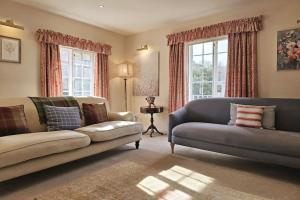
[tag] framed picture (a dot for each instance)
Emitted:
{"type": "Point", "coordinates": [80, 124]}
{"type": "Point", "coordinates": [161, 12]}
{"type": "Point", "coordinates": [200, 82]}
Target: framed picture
{"type": "Point", "coordinates": [288, 49]}
{"type": "Point", "coordinates": [10, 49]}
{"type": "Point", "coordinates": [146, 74]}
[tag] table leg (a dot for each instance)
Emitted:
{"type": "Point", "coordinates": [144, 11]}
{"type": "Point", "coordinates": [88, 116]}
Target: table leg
{"type": "Point", "coordinates": [152, 127]}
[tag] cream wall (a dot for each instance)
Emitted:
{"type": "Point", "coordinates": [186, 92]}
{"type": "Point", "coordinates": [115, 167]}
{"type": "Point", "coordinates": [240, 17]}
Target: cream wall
{"type": "Point", "coordinates": [23, 79]}
{"type": "Point", "coordinates": [278, 15]}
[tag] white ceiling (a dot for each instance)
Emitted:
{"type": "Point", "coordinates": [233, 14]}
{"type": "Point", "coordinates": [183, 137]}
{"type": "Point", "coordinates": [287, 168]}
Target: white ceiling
{"type": "Point", "coordinates": [132, 16]}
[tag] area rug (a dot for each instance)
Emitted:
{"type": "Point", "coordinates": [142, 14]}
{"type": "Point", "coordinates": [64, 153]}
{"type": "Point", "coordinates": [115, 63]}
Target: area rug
{"type": "Point", "coordinates": [128, 180]}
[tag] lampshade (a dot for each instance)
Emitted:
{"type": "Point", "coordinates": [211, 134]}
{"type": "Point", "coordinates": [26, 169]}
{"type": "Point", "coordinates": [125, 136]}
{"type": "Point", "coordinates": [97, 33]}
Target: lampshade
{"type": "Point", "coordinates": [124, 70]}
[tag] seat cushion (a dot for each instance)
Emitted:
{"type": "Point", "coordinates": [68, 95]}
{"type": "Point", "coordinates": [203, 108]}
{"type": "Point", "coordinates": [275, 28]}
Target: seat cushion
{"type": "Point", "coordinates": [18, 148]}
{"type": "Point", "coordinates": [111, 130]}
{"type": "Point", "coordinates": [272, 141]}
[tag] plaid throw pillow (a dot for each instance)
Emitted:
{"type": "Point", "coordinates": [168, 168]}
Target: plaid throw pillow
{"type": "Point", "coordinates": [12, 120]}
{"type": "Point", "coordinates": [62, 118]}
{"type": "Point", "coordinates": [249, 116]}
{"type": "Point", "coordinates": [94, 113]}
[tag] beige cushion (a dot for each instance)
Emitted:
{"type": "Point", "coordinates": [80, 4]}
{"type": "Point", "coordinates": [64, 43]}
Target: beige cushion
{"type": "Point", "coordinates": [110, 130]}
{"type": "Point", "coordinates": [18, 148]}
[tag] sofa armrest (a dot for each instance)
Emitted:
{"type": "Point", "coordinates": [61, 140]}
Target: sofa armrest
{"type": "Point", "coordinates": [175, 118]}
{"type": "Point", "coordinates": [121, 116]}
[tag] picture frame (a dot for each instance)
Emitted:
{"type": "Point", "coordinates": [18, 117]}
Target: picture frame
{"type": "Point", "coordinates": [146, 74]}
{"type": "Point", "coordinates": [288, 49]}
{"type": "Point", "coordinates": [10, 49]}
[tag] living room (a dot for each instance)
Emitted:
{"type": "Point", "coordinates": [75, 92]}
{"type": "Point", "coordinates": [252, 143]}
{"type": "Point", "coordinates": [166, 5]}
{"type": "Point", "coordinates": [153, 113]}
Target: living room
{"type": "Point", "coordinates": [133, 51]}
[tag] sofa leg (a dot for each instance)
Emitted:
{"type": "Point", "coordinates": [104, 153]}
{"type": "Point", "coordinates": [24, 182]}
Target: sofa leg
{"type": "Point", "coordinates": [137, 144]}
{"type": "Point", "coordinates": [172, 147]}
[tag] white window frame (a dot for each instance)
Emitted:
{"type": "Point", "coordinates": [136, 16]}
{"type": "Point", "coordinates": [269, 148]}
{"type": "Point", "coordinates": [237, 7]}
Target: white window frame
{"type": "Point", "coordinates": [187, 57]}
{"type": "Point", "coordinates": [71, 65]}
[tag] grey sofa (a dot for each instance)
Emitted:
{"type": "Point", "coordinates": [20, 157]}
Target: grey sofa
{"type": "Point", "coordinates": [203, 124]}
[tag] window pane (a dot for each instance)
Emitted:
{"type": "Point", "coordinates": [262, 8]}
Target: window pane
{"type": "Point", "coordinates": [77, 71]}
{"type": "Point", "coordinates": [208, 48]}
{"type": "Point", "coordinates": [87, 94]}
{"type": "Point", "coordinates": [77, 94]}
{"type": "Point", "coordinates": [77, 83]}
{"type": "Point", "coordinates": [65, 84]}
{"type": "Point", "coordinates": [197, 74]}
{"type": "Point", "coordinates": [197, 60]}
{"type": "Point", "coordinates": [208, 74]}
{"type": "Point", "coordinates": [207, 89]}
{"type": "Point", "coordinates": [65, 70]}
{"type": "Point", "coordinates": [86, 57]}
{"type": "Point", "coordinates": [222, 45]}
{"type": "Point", "coordinates": [77, 58]}
{"type": "Point", "coordinates": [87, 72]}
{"type": "Point", "coordinates": [222, 60]}
{"type": "Point", "coordinates": [208, 61]}
{"type": "Point", "coordinates": [64, 55]}
{"type": "Point", "coordinates": [197, 49]}
{"type": "Point", "coordinates": [86, 85]}
{"type": "Point", "coordinates": [196, 89]}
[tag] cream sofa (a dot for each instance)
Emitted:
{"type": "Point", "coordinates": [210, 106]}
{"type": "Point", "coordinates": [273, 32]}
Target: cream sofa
{"type": "Point", "coordinates": [27, 153]}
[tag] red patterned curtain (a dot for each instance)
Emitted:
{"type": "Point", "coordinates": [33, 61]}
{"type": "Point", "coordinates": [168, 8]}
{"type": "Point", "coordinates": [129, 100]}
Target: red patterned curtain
{"type": "Point", "coordinates": [242, 68]}
{"type": "Point", "coordinates": [51, 75]}
{"type": "Point", "coordinates": [242, 65]}
{"type": "Point", "coordinates": [101, 76]}
{"type": "Point", "coordinates": [176, 72]}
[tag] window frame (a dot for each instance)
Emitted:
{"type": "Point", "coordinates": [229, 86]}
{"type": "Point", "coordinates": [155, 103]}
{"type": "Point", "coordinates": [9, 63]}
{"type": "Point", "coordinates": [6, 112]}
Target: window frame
{"type": "Point", "coordinates": [188, 56]}
{"type": "Point", "coordinates": [71, 66]}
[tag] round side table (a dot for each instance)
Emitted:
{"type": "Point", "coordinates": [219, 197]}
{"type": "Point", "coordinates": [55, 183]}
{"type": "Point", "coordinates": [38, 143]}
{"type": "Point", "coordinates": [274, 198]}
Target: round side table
{"type": "Point", "coordinates": [151, 111]}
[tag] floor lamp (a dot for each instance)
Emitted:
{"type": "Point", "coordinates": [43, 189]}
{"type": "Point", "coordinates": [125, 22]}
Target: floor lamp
{"type": "Point", "coordinates": [124, 74]}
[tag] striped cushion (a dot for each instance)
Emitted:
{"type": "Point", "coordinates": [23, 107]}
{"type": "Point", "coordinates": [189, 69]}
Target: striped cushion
{"type": "Point", "coordinates": [12, 120]}
{"type": "Point", "coordinates": [94, 113]}
{"type": "Point", "coordinates": [62, 118]}
{"type": "Point", "coordinates": [249, 116]}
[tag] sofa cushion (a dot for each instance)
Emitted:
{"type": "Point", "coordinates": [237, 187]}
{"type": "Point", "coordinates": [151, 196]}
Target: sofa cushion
{"type": "Point", "coordinates": [111, 130]}
{"type": "Point", "coordinates": [18, 148]}
{"type": "Point", "coordinates": [94, 113]}
{"type": "Point", "coordinates": [272, 141]}
{"type": "Point", "coordinates": [62, 118]}
{"type": "Point", "coordinates": [12, 120]}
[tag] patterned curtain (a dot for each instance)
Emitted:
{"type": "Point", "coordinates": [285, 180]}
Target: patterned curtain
{"type": "Point", "coordinates": [242, 65]}
{"type": "Point", "coordinates": [177, 96]}
{"type": "Point", "coordinates": [51, 74]}
{"type": "Point", "coordinates": [101, 76]}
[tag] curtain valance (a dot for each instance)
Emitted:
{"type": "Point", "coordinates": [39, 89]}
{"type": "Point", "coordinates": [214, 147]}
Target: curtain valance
{"type": "Point", "coordinates": [253, 24]}
{"type": "Point", "coordinates": [51, 37]}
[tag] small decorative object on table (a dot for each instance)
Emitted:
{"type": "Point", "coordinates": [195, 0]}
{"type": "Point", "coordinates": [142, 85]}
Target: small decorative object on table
{"type": "Point", "coordinates": [150, 101]}
{"type": "Point", "coordinates": [151, 110]}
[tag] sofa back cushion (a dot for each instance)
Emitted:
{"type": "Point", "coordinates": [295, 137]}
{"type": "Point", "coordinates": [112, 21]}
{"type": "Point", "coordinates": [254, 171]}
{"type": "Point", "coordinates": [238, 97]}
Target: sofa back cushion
{"type": "Point", "coordinates": [217, 110]}
{"type": "Point", "coordinates": [31, 112]}
{"type": "Point", "coordinates": [94, 113]}
{"type": "Point", "coordinates": [12, 120]}
{"type": "Point", "coordinates": [62, 118]}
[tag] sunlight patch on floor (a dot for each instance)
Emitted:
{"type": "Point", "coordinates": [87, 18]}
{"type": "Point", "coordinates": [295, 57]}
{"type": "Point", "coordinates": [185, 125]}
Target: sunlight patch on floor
{"type": "Point", "coordinates": [187, 178]}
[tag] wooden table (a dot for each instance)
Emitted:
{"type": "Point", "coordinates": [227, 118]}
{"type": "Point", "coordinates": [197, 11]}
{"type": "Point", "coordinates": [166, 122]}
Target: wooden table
{"type": "Point", "coordinates": [151, 111]}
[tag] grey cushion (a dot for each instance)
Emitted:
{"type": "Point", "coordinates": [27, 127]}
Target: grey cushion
{"type": "Point", "coordinates": [280, 142]}
{"type": "Point", "coordinates": [268, 120]}
{"type": "Point", "coordinates": [62, 118]}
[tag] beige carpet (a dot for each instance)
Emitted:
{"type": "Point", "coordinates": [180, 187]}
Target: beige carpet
{"type": "Point", "coordinates": [152, 173]}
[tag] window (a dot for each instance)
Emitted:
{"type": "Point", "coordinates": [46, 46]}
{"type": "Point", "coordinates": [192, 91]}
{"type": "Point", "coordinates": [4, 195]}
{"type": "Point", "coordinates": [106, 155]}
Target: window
{"type": "Point", "coordinates": [77, 72]}
{"type": "Point", "coordinates": [207, 68]}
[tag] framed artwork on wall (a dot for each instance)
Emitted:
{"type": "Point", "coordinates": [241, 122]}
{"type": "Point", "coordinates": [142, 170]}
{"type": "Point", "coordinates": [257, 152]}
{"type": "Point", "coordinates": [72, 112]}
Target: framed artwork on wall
{"type": "Point", "coordinates": [10, 49]}
{"type": "Point", "coordinates": [146, 74]}
{"type": "Point", "coordinates": [288, 49]}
